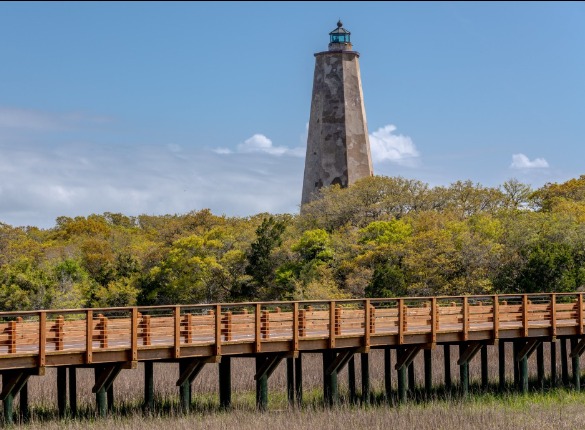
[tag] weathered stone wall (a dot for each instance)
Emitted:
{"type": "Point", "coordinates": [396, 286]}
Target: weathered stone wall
{"type": "Point", "coordinates": [338, 148]}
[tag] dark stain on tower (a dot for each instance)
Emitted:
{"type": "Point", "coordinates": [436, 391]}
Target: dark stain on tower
{"type": "Point", "coordinates": [338, 147]}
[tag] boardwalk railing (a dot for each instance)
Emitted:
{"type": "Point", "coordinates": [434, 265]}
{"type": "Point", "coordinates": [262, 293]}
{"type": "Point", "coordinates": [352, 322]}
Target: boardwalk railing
{"type": "Point", "coordinates": [86, 336]}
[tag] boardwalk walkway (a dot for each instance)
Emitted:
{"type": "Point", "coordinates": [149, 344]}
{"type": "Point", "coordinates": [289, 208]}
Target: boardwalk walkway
{"type": "Point", "coordinates": [110, 339]}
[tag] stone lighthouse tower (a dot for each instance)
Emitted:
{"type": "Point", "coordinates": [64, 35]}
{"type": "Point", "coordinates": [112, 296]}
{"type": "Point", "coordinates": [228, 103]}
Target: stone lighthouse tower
{"type": "Point", "coordinates": [338, 147]}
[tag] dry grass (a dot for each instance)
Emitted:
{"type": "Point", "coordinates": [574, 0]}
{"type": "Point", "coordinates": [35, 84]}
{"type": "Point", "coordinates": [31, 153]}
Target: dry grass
{"type": "Point", "coordinates": [557, 409]}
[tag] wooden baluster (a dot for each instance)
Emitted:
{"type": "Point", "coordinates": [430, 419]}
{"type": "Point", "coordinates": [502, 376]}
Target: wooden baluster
{"type": "Point", "coordinates": [134, 335]}
{"type": "Point", "coordinates": [332, 324]}
{"type": "Point", "coordinates": [580, 312]}
{"type": "Point", "coordinates": [372, 319]}
{"type": "Point", "coordinates": [147, 339]}
{"type": "Point", "coordinates": [400, 321]}
{"type": "Point", "coordinates": [217, 329]}
{"type": "Point", "coordinates": [103, 336]}
{"type": "Point", "coordinates": [12, 337]}
{"type": "Point", "coordinates": [59, 328]}
{"type": "Point", "coordinates": [258, 328]}
{"type": "Point", "coordinates": [265, 324]}
{"type": "Point", "coordinates": [227, 326]}
{"type": "Point", "coordinates": [434, 320]}
{"type": "Point", "coordinates": [189, 328]}
{"type": "Point", "coordinates": [525, 315]}
{"type": "Point", "coordinates": [302, 322]}
{"type": "Point", "coordinates": [177, 332]}
{"type": "Point", "coordinates": [338, 321]}
{"type": "Point", "coordinates": [367, 323]}
{"type": "Point", "coordinates": [295, 326]}
{"type": "Point", "coordinates": [89, 336]}
{"type": "Point", "coordinates": [496, 316]}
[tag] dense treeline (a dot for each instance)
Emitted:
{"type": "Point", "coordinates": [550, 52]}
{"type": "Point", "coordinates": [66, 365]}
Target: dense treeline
{"type": "Point", "coordinates": [384, 236]}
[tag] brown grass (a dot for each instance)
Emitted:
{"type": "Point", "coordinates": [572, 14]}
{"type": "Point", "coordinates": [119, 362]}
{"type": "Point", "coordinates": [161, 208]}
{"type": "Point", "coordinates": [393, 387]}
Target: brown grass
{"type": "Point", "coordinates": [442, 412]}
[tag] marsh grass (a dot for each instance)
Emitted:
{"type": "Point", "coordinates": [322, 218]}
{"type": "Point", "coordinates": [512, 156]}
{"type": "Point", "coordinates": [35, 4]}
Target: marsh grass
{"type": "Point", "coordinates": [443, 409]}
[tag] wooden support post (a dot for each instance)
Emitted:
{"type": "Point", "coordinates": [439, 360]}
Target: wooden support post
{"type": "Point", "coordinates": [299, 379]}
{"type": "Point", "coordinates": [402, 389]}
{"type": "Point", "coordinates": [365, 364]}
{"type": "Point", "coordinates": [225, 382]}
{"type": "Point", "coordinates": [484, 367]}
{"type": "Point", "coordinates": [576, 365]}
{"type": "Point", "coordinates": [564, 362]}
{"type": "Point", "coordinates": [516, 364]}
{"type": "Point", "coordinates": [8, 404]}
{"type": "Point", "coordinates": [411, 378]}
{"type": "Point", "coordinates": [148, 386]}
{"type": "Point", "coordinates": [62, 390]}
{"type": "Point", "coordinates": [553, 363]}
{"type": "Point", "coordinates": [184, 388]}
{"type": "Point", "coordinates": [502, 365]}
{"type": "Point", "coordinates": [351, 380]}
{"type": "Point", "coordinates": [24, 411]}
{"type": "Point", "coordinates": [523, 370]}
{"type": "Point", "coordinates": [540, 365]}
{"type": "Point", "coordinates": [330, 392]}
{"type": "Point", "coordinates": [100, 395]}
{"type": "Point", "coordinates": [261, 384]}
{"type": "Point", "coordinates": [428, 372]}
{"type": "Point", "coordinates": [447, 366]}
{"type": "Point", "coordinates": [73, 391]}
{"type": "Point", "coordinates": [290, 381]}
{"type": "Point", "coordinates": [387, 374]}
{"type": "Point", "coordinates": [110, 396]}
{"type": "Point", "coordinates": [463, 371]}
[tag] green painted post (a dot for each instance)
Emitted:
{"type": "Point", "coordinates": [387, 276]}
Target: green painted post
{"type": "Point", "coordinates": [388, 374]}
{"type": "Point", "coordinates": [464, 373]}
{"type": "Point", "coordinates": [299, 379]}
{"type": "Point", "coordinates": [502, 365]}
{"type": "Point", "coordinates": [148, 386]}
{"type": "Point", "coordinates": [351, 380]}
{"type": "Point", "coordinates": [290, 381]}
{"type": "Point", "coordinates": [523, 364]}
{"type": "Point", "coordinates": [365, 363]}
{"type": "Point", "coordinates": [540, 365]}
{"type": "Point", "coordinates": [447, 366]}
{"type": "Point", "coordinates": [61, 390]}
{"type": "Point", "coordinates": [73, 391]}
{"type": "Point", "coordinates": [411, 378]}
{"type": "Point", "coordinates": [261, 386]}
{"type": "Point", "coordinates": [402, 388]}
{"type": "Point", "coordinates": [564, 362]}
{"type": "Point", "coordinates": [330, 392]}
{"type": "Point", "coordinates": [484, 367]}
{"type": "Point", "coordinates": [428, 372]}
{"type": "Point", "coordinates": [8, 409]}
{"type": "Point", "coordinates": [110, 396]}
{"type": "Point", "coordinates": [225, 382]}
{"type": "Point", "coordinates": [553, 363]}
{"type": "Point", "coordinates": [24, 404]}
{"type": "Point", "coordinates": [576, 366]}
{"type": "Point", "coordinates": [101, 397]}
{"type": "Point", "coordinates": [184, 389]}
{"type": "Point", "coordinates": [516, 365]}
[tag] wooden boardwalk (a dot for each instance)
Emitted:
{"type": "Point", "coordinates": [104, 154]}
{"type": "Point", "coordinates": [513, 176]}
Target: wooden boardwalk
{"type": "Point", "coordinates": [111, 339]}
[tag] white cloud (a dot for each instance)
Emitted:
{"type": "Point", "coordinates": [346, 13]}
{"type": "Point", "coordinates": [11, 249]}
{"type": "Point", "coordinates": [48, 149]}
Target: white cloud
{"type": "Point", "coordinates": [398, 149]}
{"type": "Point", "coordinates": [259, 143]}
{"type": "Point", "coordinates": [521, 161]}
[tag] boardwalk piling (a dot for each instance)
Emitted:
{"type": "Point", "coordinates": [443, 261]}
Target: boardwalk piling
{"type": "Point", "coordinates": [148, 386]}
{"type": "Point", "coordinates": [365, 363]}
{"type": "Point", "coordinates": [447, 365]}
{"type": "Point", "coordinates": [351, 380]}
{"type": "Point", "coordinates": [73, 391]}
{"type": "Point", "coordinates": [387, 374]}
{"type": "Point", "coordinates": [24, 405]}
{"type": "Point", "coordinates": [330, 392]}
{"type": "Point", "coordinates": [463, 372]}
{"type": "Point", "coordinates": [225, 382]}
{"type": "Point", "coordinates": [299, 379]}
{"type": "Point", "coordinates": [61, 390]}
{"type": "Point", "coordinates": [428, 372]}
{"type": "Point", "coordinates": [523, 373]}
{"type": "Point", "coordinates": [100, 395]}
{"type": "Point", "coordinates": [290, 381]}
{"type": "Point", "coordinates": [110, 396]}
{"type": "Point", "coordinates": [484, 367]}
{"type": "Point", "coordinates": [8, 405]}
{"type": "Point", "coordinates": [411, 378]}
{"type": "Point", "coordinates": [575, 364]}
{"type": "Point", "coordinates": [401, 376]}
{"type": "Point", "coordinates": [564, 362]}
{"type": "Point", "coordinates": [502, 365]}
{"type": "Point", "coordinates": [516, 364]}
{"type": "Point", "coordinates": [261, 384]}
{"type": "Point", "coordinates": [540, 365]}
{"type": "Point", "coordinates": [553, 363]}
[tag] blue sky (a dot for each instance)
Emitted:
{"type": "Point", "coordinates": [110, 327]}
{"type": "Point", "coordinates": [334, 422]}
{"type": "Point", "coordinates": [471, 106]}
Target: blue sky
{"type": "Point", "coordinates": [163, 108]}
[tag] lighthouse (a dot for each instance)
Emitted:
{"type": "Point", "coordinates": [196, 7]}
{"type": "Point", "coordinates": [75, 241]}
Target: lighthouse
{"type": "Point", "coordinates": [338, 147]}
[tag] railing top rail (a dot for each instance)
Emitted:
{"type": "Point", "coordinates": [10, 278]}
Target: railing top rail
{"type": "Point", "coordinates": [274, 303]}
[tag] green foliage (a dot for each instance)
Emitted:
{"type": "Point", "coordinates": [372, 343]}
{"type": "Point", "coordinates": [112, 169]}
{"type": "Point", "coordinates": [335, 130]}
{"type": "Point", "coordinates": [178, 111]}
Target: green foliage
{"type": "Point", "coordinates": [381, 237]}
